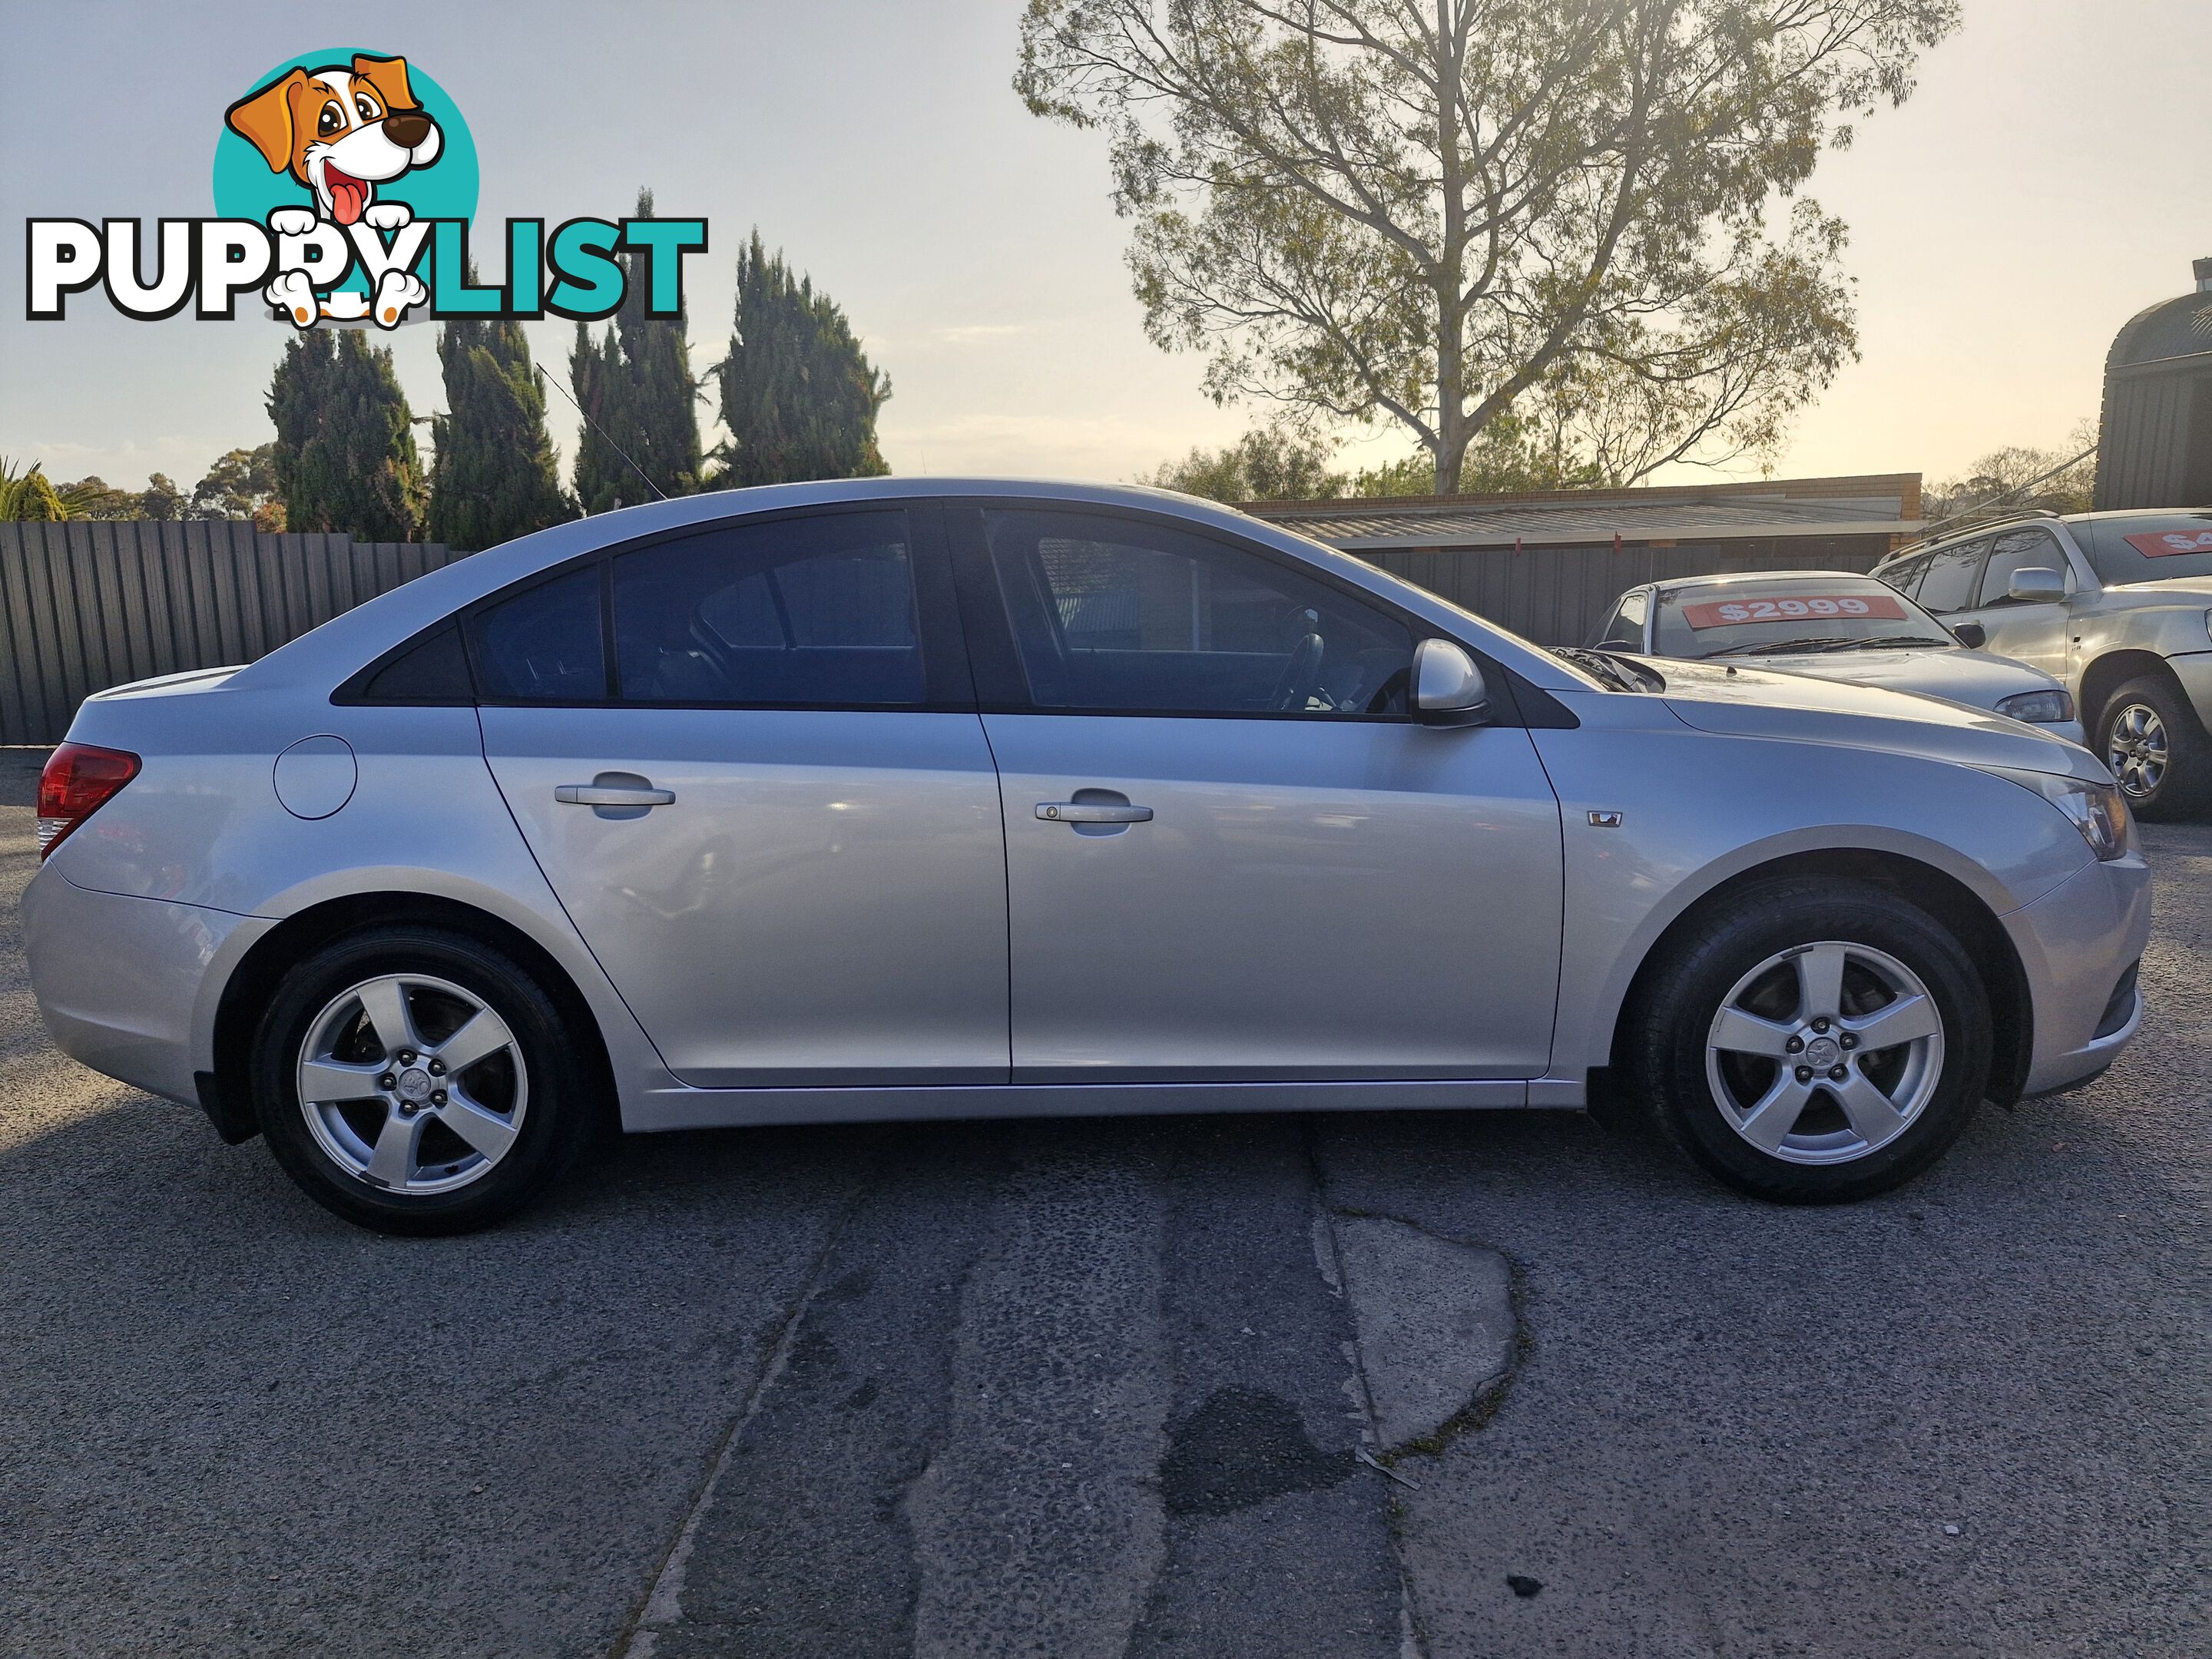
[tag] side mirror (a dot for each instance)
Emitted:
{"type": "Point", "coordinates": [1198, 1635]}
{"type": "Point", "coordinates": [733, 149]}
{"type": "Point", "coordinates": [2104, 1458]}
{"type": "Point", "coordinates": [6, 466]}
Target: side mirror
{"type": "Point", "coordinates": [2036, 586]}
{"type": "Point", "coordinates": [1972, 635]}
{"type": "Point", "coordinates": [1448, 688]}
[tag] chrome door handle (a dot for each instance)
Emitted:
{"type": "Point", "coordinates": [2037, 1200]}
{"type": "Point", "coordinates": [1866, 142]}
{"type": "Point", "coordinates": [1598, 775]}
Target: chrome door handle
{"type": "Point", "coordinates": [1083, 811]}
{"type": "Point", "coordinates": [600, 794]}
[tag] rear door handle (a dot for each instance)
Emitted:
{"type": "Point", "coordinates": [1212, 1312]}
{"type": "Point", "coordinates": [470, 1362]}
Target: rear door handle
{"type": "Point", "coordinates": [600, 794]}
{"type": "Point", "coordinates": [1083, 811]}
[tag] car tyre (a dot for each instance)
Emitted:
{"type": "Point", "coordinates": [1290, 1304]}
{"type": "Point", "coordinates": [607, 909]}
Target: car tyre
{"type": "Point", "coordinates": [1732, 1094]}
{"type": "Point", "coordinates": [347, 1080]}
{"type": "Point", "coordinates": [2157, 748]}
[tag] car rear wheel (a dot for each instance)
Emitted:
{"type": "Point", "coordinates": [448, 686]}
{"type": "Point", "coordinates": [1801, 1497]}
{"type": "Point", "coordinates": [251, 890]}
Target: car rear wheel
{"type": "Point", "coordinates": [418, 1081]}
{"type": "Point", "coordinates": [1813, 1042]}
{"type": "Point", "coordinates": [2157, 748]}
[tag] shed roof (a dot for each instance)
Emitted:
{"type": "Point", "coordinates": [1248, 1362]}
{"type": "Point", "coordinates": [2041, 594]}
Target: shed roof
{"type": "Point", "coordinates": [1766, 509]}
{"type": "Point", "coordinates": [2176, 328]}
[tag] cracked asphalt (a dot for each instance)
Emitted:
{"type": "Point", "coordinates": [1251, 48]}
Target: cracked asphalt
{"type": "Point", "coordinates": [1093, 1388]}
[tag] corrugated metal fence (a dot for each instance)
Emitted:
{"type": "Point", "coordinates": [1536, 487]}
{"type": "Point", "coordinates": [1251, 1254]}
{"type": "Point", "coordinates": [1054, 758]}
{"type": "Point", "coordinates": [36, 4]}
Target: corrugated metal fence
{"type": "Point", "coordinates": [1556, 595]}
{"type": "Point", "coordinates": [87, 605]}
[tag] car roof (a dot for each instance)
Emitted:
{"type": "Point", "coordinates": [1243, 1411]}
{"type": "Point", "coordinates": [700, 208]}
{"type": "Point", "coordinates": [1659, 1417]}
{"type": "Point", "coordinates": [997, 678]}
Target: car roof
{"type": "Point", "coordinates": [2015, 520]}
{"type": "Point", "coordinates": [1673, 585]}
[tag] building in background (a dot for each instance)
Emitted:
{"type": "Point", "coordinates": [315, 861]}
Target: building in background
{"type": "Point", "coordinates": [2155, 444]}
{"type": "Point", "coordinates": [1548, 565]}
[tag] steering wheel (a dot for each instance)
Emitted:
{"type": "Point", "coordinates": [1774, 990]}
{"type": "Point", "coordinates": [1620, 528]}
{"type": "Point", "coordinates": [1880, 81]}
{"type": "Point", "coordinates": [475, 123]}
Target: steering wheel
{"type": "Point", "coordinates": [1301, 675]}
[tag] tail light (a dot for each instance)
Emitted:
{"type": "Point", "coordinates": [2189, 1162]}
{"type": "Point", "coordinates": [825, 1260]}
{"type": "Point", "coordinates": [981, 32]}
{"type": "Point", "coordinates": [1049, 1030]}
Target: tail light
{"type": "Point", "coordinates": [79, 780]}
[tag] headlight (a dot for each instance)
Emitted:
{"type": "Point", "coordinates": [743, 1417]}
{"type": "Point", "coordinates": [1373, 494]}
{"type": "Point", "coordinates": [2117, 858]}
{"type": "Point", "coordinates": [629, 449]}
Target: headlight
{"type": "Point", "coordinates": [2099, 811]}
{"type": "Point", "coordinates": [2043, 708]}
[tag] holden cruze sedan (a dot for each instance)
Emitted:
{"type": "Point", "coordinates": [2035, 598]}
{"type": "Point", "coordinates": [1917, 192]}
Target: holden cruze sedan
{"type": "Point", "coordinates": [1834, 626]}
{"type": "Point", "coordinates": [901, 799]}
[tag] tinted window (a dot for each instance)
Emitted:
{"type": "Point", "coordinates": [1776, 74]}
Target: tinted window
{"type": "Point", "coordinates": [1111, 613]}
{"type": "Point", "coordinates": [2018, 550]}
{"type": "Point", "coordinates": [1950, 583]}
{"type": "Point", "coordinates": [434, 670]}
{"type": "Point", "coordinates": [1905, 575]}
{"type": "Point", "coordinates": [798, 612]}
{"type": "Point", "coordinates": [543, 645]}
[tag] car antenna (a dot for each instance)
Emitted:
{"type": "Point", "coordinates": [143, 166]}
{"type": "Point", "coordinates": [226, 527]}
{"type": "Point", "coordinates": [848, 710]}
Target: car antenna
{"type": "Point", "coordinates": [602, 431]}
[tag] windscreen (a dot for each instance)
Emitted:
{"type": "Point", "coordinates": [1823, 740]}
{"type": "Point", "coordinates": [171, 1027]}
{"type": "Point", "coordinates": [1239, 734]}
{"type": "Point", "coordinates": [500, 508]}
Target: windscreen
{"type": "Point", "coordinates": [1778, 615]}
{"type": "Point", "coordinates": [2152, 548]}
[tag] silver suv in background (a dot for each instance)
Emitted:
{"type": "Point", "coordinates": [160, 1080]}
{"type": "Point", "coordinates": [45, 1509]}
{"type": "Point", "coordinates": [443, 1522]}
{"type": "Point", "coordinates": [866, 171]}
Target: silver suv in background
{"type": "Point", "coordinates": [2118, 607]}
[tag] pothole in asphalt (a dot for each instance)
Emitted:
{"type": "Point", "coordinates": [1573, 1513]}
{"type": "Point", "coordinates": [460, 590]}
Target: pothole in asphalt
{"type": "Point", "coordinates": [1242, 1446]}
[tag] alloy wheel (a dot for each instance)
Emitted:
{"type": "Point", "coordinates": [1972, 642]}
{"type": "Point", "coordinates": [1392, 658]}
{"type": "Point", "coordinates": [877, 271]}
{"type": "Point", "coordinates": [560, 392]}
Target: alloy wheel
{"type": "Point", "coordinates": [411, 1083]}
{"type": "Point", "coordinates": [1825, 1053]}
{"type": "Point", "coordinates": [2136, 749]}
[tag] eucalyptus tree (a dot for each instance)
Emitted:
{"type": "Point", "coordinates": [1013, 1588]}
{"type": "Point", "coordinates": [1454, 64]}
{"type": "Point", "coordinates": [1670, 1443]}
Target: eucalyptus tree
{"type": "Point", "coordinates": [1432, 211]}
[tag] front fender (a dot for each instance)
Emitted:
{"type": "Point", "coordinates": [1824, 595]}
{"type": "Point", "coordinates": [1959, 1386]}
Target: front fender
{"type": "Point", "coordinates": [2164, 627]}
{"type": "Point", "coordinates": [1698, 810]}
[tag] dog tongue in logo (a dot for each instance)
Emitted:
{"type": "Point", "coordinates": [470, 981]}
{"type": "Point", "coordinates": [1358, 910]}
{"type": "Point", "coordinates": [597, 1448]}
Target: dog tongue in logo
{"type": "Point", "coordinates": [347, 194]}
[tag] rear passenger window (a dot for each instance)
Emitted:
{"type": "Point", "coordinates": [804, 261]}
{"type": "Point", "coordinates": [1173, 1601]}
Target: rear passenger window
{"type": "Point", "coordinates": [543, 645]}
{"type": "Point", "coordinates": [1950, 583]}
{"type": "Point", "coordinates": [1905, 575]}
{"type": "Point", "coordinates": [796, 612]}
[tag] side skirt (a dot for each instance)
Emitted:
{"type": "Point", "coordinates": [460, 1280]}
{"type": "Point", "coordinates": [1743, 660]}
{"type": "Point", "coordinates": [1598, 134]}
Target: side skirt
{"type": "Point", "coordinates": [678, 1107]}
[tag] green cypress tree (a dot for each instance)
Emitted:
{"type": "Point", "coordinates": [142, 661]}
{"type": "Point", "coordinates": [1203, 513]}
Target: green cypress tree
{"type": "Point", "coordinates": [664, 405]}
{"type": "Point", "coordinates": [798, 395]}
{"type": "Point", "coordinates": [345, 456]}
{"type": "Point", "coordinates": [492, 478]}
{"type": "Point", "coordinates": [603, 480]}
{"type": "Point", "coordinates": [636, 384]}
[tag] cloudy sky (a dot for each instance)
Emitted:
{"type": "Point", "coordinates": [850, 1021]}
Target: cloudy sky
{"type": "Point", "coordinates": [2052, 175]}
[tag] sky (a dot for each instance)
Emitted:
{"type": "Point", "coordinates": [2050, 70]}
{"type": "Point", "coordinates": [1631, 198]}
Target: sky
{"type": "Point", "coordinates": [2051, 176]}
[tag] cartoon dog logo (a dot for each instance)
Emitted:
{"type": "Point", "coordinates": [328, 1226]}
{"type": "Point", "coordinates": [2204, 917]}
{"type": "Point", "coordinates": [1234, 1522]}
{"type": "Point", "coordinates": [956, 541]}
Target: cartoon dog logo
{"type": "Point", "coordinates": [341, 130]}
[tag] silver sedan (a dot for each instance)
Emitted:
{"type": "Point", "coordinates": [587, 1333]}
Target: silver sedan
{"type": "Point", "coordinates": [1836, 626]}
{"type": "Point", "coordinates": [939, 799]}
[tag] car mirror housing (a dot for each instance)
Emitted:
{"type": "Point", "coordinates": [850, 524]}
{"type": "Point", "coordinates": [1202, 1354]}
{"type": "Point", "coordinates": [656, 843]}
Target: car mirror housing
{"type": "Point", "coordinates": [2036, 586]}
{"type": "Point", "coordinates": [1972, 635]}
{"type": "Point", "coordinates": [1448, 688]}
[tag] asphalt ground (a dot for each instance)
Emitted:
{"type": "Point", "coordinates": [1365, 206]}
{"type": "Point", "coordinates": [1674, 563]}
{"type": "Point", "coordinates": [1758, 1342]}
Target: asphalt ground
{"type": "Point", "coordinates": [1079, 1388]}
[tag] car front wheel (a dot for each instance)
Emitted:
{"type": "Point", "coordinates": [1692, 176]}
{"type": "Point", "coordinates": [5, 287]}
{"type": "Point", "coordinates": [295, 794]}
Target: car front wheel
{"type": "Point", "coordinates": [2158, 750]}
{"type": "Point", "coordinates": [415, 1080]}
{"type": "Point", "coordinates": [1814, 1041]}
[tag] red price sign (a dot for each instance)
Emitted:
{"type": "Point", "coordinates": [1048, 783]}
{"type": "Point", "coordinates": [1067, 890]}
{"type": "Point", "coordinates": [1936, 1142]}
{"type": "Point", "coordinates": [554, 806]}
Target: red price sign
{"type": "Point", "coordinates": [2165, 543]}
{"type": "Point", "coordinates": [1794, 607]}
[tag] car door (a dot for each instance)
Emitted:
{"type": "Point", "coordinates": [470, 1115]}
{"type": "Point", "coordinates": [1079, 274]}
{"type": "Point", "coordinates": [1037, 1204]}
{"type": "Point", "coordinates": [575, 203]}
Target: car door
{"type": "Point", "coordinates": [2033, 632]}
{"type": "Point", "coordinates": [1231, 852]}
{"type": "Point", "coordinates": [747, 757]}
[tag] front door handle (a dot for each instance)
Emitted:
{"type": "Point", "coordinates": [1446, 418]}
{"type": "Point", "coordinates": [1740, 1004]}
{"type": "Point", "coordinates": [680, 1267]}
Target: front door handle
{"type": "Point", "coordinates": [1085, 811]}
{"type": "Point", "coordinates": [600, 794]}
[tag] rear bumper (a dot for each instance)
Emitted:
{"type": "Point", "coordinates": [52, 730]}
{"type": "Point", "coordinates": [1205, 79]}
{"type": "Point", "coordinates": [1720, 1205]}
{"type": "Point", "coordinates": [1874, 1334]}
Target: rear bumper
{"type": "Point", "coordinates": [2076, 944]}
{"type": "Point", "coordinates": [129, 986]}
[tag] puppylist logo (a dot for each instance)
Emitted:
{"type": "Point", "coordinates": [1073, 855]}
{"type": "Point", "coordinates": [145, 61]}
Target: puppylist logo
{"type": "Point", "coordinates": [345, 186]}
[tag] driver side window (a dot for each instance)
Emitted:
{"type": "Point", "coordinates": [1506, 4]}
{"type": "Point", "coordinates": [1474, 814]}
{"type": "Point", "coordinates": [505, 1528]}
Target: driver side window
{"type": "Point", "coordinates": [1134, 617]}
{"type": "Point", "coordinates": [806, 612]}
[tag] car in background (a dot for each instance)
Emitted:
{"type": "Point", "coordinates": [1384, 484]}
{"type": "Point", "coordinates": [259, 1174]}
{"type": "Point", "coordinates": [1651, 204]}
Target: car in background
{"type": "Point", "coordinates": [2117, 606]}
{"type": "Point", "coordinates": [894, 798]}
{"type": "Point", "coordinates": [1831, 625]}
